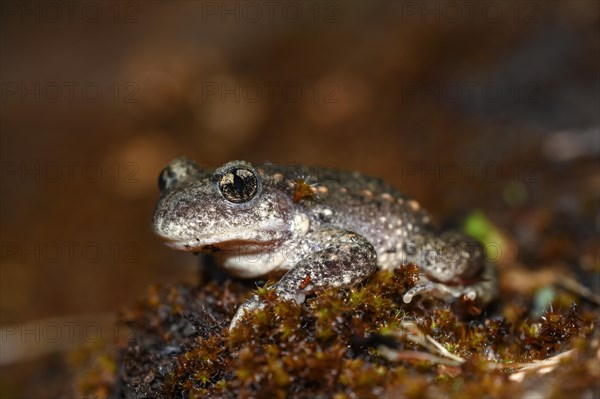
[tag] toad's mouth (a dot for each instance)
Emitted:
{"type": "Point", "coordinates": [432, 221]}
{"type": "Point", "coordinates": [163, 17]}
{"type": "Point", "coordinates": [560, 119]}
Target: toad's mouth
{"type": "Point", "coordinates": [240, 246]}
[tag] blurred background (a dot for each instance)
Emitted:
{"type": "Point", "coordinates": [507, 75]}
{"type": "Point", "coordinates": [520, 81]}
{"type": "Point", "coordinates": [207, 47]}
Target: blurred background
{"type": "Point", "coordinates": [469, 107]}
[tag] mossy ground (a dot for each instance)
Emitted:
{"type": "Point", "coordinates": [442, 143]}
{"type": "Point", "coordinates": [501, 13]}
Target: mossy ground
{"type": "Point", "coordinates": [332, 346]}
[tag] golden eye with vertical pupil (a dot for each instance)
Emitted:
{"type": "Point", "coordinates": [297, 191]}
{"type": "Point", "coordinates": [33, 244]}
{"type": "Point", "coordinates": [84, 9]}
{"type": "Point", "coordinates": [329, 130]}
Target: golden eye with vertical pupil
{"type": "Point", "coordinates": [238, 185]}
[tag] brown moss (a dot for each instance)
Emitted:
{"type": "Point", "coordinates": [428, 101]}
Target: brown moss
{"type": "Point", "coordinates": [181, 346]}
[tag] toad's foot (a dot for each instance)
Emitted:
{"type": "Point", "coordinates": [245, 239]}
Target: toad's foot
{"type": "Point", "coordinates": [480, 292]}
{"type": "Point", "coordinates": [252, 304]}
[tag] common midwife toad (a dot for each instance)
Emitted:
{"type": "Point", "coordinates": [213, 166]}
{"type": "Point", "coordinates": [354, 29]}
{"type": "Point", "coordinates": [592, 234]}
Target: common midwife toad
{"type": "Point", "coordinates": [332, 234]}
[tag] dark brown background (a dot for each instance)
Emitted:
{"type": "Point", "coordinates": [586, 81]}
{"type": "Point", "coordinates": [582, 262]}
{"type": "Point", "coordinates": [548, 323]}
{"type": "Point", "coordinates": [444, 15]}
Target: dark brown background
{"type": "Point", "coordinates": [403, 90]}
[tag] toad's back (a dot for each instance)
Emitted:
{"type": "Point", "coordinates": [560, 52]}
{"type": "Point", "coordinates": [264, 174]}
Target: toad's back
{"type": "Point", "coordinates": [351, 201]}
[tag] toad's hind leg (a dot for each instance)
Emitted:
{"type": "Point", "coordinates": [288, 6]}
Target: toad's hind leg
{"type": "Point", "coordinates": [454, 267]}
{"type": "Point", "coordinates": [480, 292]}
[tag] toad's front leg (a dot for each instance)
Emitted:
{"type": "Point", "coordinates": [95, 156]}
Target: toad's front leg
{"type": "Point", "coordinates": [338, 258]}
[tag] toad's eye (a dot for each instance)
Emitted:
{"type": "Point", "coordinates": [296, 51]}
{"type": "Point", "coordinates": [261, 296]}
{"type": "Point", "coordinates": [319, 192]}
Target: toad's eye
{"type": "Point", "coordinates": [166, 178]}
{"type": "Point", "coordinates": [177, 171]}
{"type": "Point", "coordinates": [238, 185]}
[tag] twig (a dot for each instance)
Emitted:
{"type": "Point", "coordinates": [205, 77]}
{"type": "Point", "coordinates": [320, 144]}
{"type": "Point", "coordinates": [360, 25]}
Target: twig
{"type": "Point", "coordinates": [412, 333]}
{"type": "Point", "coordinates": [579, 289]}
{"type": "Point", "coordinates": [540, 366]}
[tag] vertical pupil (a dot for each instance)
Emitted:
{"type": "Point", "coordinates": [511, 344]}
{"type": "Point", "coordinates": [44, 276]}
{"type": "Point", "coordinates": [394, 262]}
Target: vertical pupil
{"type": "Point", "coordinates": [238, 183]}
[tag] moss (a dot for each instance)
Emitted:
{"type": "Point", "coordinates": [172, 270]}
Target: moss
{"type": "Point", "coordinates": [330, 346]}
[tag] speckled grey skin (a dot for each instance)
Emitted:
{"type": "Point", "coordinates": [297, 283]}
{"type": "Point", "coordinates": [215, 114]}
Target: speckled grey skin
{"type": "Point", "coordinates": [349, 227]}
